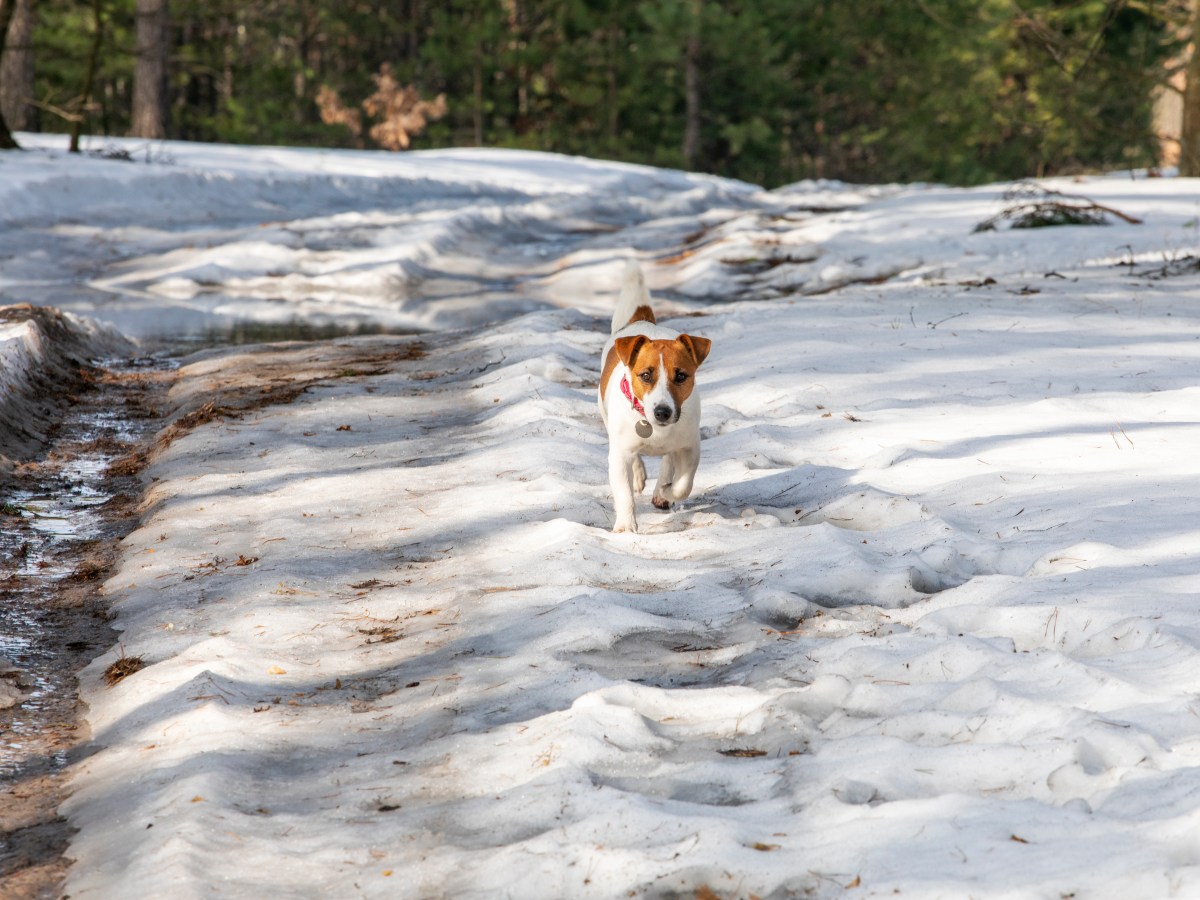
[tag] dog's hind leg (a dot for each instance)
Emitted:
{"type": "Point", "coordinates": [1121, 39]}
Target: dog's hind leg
{"type": "Point", "coordinates": [639, 475]}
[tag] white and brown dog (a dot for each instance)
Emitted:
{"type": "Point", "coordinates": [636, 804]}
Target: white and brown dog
{"type": "Point", "coordinates": [648, 402]}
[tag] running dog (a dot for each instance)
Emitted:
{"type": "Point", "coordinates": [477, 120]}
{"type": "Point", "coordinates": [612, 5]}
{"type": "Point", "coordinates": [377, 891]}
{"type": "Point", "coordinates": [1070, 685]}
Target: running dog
{"type": "Point", "coordinates": [649, 403]}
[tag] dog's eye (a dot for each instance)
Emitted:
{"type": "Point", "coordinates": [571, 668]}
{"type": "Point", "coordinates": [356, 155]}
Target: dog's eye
{"type": "Point", "coordinates": [647, 376]}
{"type": "Point", "coordinates": [680, 376]}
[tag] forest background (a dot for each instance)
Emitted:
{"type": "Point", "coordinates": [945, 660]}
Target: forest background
{"type": "Point", "coordinates": [768, 91]}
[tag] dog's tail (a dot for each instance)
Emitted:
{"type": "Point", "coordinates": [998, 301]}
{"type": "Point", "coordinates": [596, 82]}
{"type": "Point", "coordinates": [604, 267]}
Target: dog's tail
{"type": "Point", "coordinates": [634, 299]}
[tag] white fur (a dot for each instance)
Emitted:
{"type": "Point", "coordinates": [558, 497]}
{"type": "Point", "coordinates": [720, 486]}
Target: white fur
{"type": "Point", "coordinates": [677, 443]}
{"type": "Point", "coordinates": [633, 294]}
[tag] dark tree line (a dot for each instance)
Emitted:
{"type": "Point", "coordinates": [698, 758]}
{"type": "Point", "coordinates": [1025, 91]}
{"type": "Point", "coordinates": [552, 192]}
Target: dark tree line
{"type": "Point", "coordinates": [765, 90]}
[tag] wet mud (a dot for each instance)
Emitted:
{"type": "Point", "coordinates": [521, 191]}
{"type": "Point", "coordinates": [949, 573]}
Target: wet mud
{"type": "Point", "coordinates": [61, 516]}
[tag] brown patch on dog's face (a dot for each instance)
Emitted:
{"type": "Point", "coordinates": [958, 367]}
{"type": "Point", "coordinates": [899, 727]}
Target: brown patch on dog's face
{"type": "Point", "coordinates": [627, 348]}
{"type": "Point", "coordinates": [697, 346]}
{"type": "Point", "coordinates": [620, 352]}
{"type": "Point", "coordinates": [664, 372]}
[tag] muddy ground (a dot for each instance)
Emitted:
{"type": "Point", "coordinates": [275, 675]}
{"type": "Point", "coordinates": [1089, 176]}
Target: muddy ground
{"type": "Point", "coordinates": [62, 517]}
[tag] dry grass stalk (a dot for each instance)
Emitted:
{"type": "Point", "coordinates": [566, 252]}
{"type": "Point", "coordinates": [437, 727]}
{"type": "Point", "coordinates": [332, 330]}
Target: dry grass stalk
{"type": "Point", "coordinates": [122, 668]}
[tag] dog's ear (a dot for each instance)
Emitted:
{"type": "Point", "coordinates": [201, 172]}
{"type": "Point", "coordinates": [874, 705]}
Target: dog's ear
{"type": "Point", "coordinates": [627, 348]}
{"type": "Point", "coordinates": [697, 346]}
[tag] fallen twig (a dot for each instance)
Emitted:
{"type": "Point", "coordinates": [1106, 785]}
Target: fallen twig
{"type": "Point", "coordinates": [1033, 206]}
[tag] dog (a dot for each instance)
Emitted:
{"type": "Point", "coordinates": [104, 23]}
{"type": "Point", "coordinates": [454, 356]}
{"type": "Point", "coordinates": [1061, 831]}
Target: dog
{"type": "Point", "coordinates": [649, 403]}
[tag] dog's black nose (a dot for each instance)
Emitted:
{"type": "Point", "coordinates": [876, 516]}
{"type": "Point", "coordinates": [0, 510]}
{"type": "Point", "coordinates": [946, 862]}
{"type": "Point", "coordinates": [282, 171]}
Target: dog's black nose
{"type": "Point", "coordinates": [662, 414]}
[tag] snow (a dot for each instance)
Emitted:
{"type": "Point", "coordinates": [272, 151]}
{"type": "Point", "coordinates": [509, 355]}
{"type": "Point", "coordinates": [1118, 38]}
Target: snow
{"type": "Point", "coordinates": [40, 352]}
{"type": "Point", "coordinates": [927, 626]}
{"type": "Point", "coordinates": [402, 242]}
{"type": "Point", "coordinates": [12, 690]}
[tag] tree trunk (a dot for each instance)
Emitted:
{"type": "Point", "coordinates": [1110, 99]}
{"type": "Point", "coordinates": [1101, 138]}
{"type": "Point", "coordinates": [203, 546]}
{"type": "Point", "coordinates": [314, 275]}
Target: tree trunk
{"type": "Point", "coordinates": [691, 88]}
{"type": "Point", "coordinates": [16, 68]}
{"type": "Point", "coordinates": [516, 43]}
{"type": "Point", "coordinates": [613, 85]}
{"type": "Point", "coordinates": [477, 106]}
{"type": "Point", "coordinates": [150, 75]}
{"type": "Point", "coordinates": [1189, 137]}
{"type": "Point", "coordinates": [89, 79]}
{"type": "Point", "coordinates": [7, 142]}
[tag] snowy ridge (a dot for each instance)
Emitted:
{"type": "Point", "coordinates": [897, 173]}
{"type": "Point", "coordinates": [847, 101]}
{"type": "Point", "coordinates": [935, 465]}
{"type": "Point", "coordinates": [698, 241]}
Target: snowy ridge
{"type": "Point", "coordinates": [460, 238]}
{"type": "Point", "coordinates": [41, 352]}
{"type": "Point", "coordinates": [407, 241]}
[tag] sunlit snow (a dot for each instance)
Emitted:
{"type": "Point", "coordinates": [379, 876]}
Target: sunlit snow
{"type": "Point", "coordinates": [928, 626]}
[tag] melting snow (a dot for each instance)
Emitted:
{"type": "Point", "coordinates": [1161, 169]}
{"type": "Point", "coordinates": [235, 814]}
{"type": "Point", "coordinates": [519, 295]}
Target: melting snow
{"type": "Point", "coordinates": [928, 625]}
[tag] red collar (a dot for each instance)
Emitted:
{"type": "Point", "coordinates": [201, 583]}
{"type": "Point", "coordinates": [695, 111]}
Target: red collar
{"type": "Point", "coordinates": [628, 392]}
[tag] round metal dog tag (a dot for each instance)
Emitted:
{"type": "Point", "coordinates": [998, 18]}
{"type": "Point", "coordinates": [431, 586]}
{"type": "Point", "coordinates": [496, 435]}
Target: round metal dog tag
{"type": "Point", "coordinates": [643, 429]}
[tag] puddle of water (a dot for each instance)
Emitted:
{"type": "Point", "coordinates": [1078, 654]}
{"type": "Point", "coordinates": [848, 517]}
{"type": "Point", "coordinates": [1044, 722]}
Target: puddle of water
{"type": "Point", "coordinates": [44, 530]}
{"type": "Point", "coordinates": [238, 332]}
{"type": "Point", "coordinates": [175, 327]}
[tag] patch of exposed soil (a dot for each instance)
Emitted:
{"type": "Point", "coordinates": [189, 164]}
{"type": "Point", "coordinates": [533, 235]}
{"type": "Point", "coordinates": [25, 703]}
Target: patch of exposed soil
{"type": "Point", "coordinates": [45, 364]}
{"type": "Point", "coordinates": [60, 520]}
{"type": "Point", "coordinates": [230, 383]}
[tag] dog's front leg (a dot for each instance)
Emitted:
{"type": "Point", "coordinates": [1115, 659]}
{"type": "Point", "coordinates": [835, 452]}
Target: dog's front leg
{"type": "Point", "coordinates": [662, 490]}
{"type": "Point", "coordinates": [682, 471]}
{"type": "Point", "coordinates": [620, 478]}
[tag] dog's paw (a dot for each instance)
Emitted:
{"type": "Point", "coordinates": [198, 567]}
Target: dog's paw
{"type": "Point", "coordinates": [661, 502]}
{"type": "Point", "coordinates": [621, 528]}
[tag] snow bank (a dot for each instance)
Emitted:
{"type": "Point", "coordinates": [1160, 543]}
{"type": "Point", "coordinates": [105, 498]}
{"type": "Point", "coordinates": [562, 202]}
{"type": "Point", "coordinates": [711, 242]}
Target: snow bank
{"type": "Point", "coordinates": [12, 689]}
{"type": "Point", "coordinates": [399, 241]}
{"type": "Point", "coordinates": [463, 238]}
{"type": "Point", "coordinates": [41, 352]}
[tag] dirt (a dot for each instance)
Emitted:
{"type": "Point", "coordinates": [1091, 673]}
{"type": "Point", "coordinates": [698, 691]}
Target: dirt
{"type": "Point", "coordinates": [62, 517]}
{"type": "Point", "coordinates": [35, 396]}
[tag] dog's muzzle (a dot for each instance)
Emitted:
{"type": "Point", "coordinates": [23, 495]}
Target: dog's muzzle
{"type": "Point", "coordinates": [664, 415]}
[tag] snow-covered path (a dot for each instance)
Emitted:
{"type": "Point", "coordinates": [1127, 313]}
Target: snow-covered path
{"type": "Point", "coordinates": [931, 650]}
{"type": "Point", "coordinates": [225, 235]}
{"type": "Point", "coordinates": [928, 626]}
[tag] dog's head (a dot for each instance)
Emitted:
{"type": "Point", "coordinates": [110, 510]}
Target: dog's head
{"type": "Point", "coordinates": [662, 373]}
